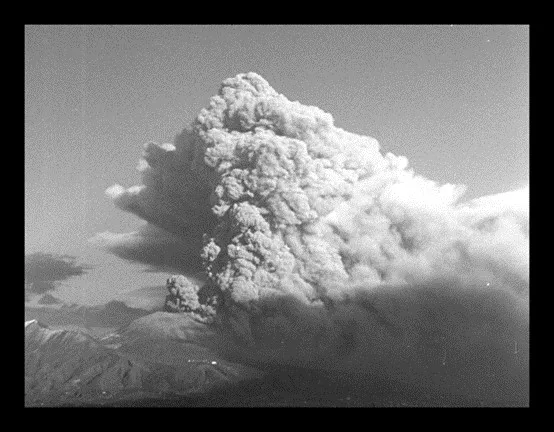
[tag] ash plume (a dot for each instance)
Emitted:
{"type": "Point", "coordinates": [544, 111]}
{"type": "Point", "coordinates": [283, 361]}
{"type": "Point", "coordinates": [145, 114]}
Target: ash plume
{"type": "Point", "coordinates": [317, 242]}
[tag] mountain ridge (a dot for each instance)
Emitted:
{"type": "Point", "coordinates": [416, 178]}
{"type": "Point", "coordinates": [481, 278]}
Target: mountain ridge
{"type": "Point", "coordinates": [73, 367]}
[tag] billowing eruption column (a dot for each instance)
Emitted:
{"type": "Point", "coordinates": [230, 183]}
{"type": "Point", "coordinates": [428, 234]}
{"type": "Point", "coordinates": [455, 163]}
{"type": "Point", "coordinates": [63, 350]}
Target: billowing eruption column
{"type": "Point", "coordinates": [302, 228]}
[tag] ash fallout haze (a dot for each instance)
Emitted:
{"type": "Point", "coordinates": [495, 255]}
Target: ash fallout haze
{"type": "Point", "coordinates": [288, 197]}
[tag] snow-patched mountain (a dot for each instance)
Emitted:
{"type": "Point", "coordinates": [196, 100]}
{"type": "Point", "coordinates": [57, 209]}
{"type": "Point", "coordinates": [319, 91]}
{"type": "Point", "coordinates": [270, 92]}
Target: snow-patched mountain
{"type": "Point", "coordinates": [64, 365]}
{"type": "Point", "coordinates": [156, 356]}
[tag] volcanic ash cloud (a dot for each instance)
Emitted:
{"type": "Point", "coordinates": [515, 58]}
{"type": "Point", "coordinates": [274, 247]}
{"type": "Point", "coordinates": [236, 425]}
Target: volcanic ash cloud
{"type": "Point", "coordinates": [303, 228]}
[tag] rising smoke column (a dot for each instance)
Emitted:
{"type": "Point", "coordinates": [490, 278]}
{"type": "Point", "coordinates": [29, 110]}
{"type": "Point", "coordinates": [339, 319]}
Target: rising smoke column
{"type": "Point", "coordinates": [298, 224]}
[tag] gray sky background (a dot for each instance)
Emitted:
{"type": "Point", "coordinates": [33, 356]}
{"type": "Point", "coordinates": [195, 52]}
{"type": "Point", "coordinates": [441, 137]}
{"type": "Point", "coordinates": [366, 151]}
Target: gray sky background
{"type": "Point", "coordinates": [453, 99]}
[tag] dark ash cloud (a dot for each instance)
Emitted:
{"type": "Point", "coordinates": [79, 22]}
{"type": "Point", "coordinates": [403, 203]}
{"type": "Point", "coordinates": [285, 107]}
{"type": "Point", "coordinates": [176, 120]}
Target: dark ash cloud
{"type": "Point", "coordinates": [156, 247]}
{"type": "Point", "coordinates": [43, 271]}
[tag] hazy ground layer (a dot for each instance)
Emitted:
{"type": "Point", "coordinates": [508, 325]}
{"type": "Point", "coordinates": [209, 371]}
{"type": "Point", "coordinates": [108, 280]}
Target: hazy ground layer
{"type": "Point", "coordinates": [162, 359]}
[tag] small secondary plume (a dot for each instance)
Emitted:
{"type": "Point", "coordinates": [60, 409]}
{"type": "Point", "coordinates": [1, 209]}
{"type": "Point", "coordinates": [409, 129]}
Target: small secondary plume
{"type": "Point", "coordinates": [315, 240]}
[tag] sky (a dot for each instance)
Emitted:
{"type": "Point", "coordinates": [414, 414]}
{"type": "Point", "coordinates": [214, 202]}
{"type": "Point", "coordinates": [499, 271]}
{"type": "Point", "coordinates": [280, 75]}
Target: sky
{"type": "Point", "coordinates": [453, 99]}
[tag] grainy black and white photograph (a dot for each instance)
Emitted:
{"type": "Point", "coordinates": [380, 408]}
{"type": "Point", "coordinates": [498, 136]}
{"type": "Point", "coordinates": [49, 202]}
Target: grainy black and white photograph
{"type": "Point", "coordinates": [276, 215]}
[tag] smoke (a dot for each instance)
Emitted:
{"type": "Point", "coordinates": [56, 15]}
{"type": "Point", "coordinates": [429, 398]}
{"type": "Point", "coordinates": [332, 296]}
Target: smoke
{"type": "Point", "coordinates": [325, 250]}
{"type": "Point", "coordinates": [154, 246]}
{"type": "Point", "coordinates": [44, 271]}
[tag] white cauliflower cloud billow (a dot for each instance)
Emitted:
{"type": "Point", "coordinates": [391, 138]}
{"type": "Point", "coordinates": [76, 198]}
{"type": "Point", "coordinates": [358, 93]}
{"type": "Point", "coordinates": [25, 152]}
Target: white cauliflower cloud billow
{"type": "Point", "coordinates": [297, 224]}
